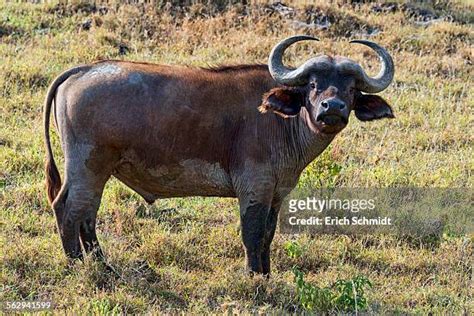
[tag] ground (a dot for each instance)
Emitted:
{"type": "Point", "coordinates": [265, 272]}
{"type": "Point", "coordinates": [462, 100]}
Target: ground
{"type": "Point", "coordinates": [185, 255]}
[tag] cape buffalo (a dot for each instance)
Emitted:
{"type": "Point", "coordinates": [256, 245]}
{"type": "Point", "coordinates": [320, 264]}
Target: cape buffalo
{"type": "Point", "coordinates": [176, 131]}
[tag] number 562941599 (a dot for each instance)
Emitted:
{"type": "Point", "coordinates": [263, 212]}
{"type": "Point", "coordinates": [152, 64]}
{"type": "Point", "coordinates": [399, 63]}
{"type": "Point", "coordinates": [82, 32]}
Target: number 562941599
{"type": "Point", "coordinates": [26, 305]}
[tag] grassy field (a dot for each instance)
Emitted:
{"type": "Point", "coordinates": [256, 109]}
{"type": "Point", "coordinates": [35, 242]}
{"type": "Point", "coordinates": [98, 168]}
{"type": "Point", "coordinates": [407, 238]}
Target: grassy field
{"type": "Point", "coordinates": [185, 255]}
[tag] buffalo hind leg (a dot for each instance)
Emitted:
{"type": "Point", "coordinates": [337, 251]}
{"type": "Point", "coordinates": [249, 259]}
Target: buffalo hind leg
{"type": "Point", "coordinates": [68, 230]}
{"type": "Point", "coordinates": [76, 209]}
{"type": "Point", "coordinates": [88, 235]}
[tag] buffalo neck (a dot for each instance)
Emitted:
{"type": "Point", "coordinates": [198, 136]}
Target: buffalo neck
{"type": "Point", "coordinates": [305, 143]}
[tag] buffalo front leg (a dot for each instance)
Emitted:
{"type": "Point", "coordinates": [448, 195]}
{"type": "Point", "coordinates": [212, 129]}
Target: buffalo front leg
{"type": "Point", "coordinates": [270, 229]}
{"type": "Point", "coordinates": [253, 216]}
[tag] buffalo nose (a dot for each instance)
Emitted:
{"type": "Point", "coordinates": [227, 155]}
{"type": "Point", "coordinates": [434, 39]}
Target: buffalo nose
{"type": "Point", "coordinates": [333, 105]}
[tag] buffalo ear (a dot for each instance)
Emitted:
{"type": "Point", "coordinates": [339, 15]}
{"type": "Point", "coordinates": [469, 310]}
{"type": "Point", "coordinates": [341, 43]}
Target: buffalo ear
{"type": "Point", "coordinates": [285, 102]}
{"type": "Point", "coordinates": [370, 107]}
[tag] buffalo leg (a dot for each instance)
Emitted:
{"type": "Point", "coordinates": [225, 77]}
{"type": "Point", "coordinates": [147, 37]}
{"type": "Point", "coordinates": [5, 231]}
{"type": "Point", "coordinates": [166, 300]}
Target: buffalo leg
{"type": "Point", "coordinates": [270, 229]}
{"type": "Point", "coordinates": [68, 230]}
{"type": "Point", "coordinates": [253, 217]}
{"type": "Point", "coordinates": [76, 208]}
{"type": "Point", "coordinates": [88, 234]}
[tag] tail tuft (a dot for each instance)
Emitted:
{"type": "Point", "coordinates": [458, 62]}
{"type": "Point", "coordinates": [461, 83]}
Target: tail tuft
{"type": "Point", "coordinates": [53, 180]}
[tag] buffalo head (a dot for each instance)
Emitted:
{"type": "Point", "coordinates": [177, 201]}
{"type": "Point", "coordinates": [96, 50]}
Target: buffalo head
{"type": "Point", "coordinates": [328, 88]}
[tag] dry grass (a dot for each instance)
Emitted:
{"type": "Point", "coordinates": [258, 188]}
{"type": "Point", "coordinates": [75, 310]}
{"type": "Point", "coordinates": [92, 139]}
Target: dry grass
{"type": "Point", "coordinates": [189, 258]}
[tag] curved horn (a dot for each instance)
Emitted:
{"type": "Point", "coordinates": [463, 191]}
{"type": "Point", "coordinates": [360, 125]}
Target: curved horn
{"type": "Point", "coordinates": [384, 77]}
{"type": "Point", "coordinates": [279, 72]}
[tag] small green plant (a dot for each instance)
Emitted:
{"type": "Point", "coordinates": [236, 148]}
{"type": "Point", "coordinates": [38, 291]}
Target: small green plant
{"type": "Point", "coordinates": [343, 295]}
{"type": "Point", "coordinates": [311, 297]}
{"type": "Point", "coordinates": [293, 249]}
{"type": "Point", "coordinates": [351, 293]}
{"type": "Point", "coordinates": [104, 307]}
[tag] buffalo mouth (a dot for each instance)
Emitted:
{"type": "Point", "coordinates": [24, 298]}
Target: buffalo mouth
{"type": "Point", "coordinates": [331, 123]}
